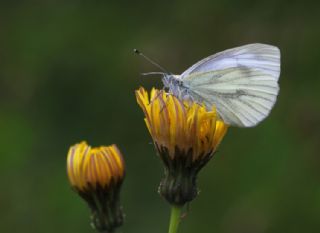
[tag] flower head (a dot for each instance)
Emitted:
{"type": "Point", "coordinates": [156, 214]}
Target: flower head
{"type": "Point", "coordinates": [186, 135]}
{"type": "Point", "coordinates": [96, 174]}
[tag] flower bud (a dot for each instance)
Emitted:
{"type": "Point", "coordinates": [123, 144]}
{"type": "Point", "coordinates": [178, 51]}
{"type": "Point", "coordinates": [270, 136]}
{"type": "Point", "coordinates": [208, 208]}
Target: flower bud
{"type": "Point", "coordinates": [96, 174]}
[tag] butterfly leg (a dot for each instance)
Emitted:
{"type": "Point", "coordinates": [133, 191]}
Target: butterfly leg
{"type": "Point", "coordinates": [156, 97]}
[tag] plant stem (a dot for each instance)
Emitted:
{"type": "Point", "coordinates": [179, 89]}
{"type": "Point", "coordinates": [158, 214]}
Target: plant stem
{"type": "Point", "coordinates": [175, 218]}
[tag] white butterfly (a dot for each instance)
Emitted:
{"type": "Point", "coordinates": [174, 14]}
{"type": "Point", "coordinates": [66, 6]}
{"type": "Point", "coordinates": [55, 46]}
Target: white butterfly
{"type": "Point", "coordinates": [241, 82]}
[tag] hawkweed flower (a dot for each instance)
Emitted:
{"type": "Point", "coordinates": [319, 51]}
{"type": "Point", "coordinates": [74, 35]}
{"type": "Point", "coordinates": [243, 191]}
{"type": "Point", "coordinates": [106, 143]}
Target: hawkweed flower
{"type": "Point", "coordinates": [96, 174]}
{"type": "Point", "coordinates": [186, 136]}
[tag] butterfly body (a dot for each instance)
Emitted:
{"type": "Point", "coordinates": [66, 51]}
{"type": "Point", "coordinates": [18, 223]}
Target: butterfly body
{"type": "Point", "coordinates": [242, 83]}
{"type": "Point", "coordinates": [176, 86]}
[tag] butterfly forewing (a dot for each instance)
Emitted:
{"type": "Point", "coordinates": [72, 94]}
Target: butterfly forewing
{"type": "Point", "coordinates": [258, 56]}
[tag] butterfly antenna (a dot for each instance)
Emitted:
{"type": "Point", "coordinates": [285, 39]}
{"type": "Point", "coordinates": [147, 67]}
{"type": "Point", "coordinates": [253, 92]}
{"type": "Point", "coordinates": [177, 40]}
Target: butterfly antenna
{"type": "Point", "coordinates": [136, 51]}
{"type": "Point", "coordinates": [153, 73]}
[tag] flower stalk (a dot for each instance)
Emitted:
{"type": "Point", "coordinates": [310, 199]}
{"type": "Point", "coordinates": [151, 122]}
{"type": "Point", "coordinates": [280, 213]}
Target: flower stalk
{"type": "Point", "coordinates": [175, 219]}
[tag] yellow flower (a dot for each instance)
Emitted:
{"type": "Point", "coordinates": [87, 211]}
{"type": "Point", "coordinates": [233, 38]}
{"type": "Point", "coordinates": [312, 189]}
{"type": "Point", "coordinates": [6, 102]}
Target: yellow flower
{"type": "Point", "coordinates": [186, 125]}
{"type": "Point", "coordinates": [96, 174]}
{"type": "Point", "coordinates": [186, 136]}
{"type": "Point", "coordinates": [91, 167]}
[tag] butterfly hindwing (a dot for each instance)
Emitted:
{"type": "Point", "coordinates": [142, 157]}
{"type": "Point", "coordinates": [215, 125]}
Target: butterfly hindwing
{"type": "Point", "coordinates": [243, 96]}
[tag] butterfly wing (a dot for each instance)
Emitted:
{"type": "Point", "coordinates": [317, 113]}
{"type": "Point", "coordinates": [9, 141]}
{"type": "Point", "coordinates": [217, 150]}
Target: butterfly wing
{"type": "Point", "coordinates": [243, 96]}
{"type": "Point", "coordinates": [263, 57]}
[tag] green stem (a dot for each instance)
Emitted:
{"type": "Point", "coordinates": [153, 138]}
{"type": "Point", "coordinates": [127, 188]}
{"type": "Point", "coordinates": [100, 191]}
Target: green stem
{"type": "Point", "coordinates": [175, 218]}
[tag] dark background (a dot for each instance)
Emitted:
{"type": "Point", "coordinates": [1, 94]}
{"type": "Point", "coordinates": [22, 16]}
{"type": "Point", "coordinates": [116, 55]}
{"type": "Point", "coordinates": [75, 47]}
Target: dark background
{"type": "Point", "coordinates": [67, 73]}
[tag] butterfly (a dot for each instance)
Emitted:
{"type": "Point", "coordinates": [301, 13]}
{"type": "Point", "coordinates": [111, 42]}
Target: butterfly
{"type": "Point", "coordinates": [242, 83]}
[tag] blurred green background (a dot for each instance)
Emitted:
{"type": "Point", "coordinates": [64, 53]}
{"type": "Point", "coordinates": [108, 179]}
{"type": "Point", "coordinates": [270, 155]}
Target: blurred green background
{"type": "Point", "coordinates": [68, 73]}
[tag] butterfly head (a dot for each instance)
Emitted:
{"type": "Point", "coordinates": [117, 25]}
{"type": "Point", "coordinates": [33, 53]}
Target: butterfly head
{"type": "Point", "coordinates": [171, 81]}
